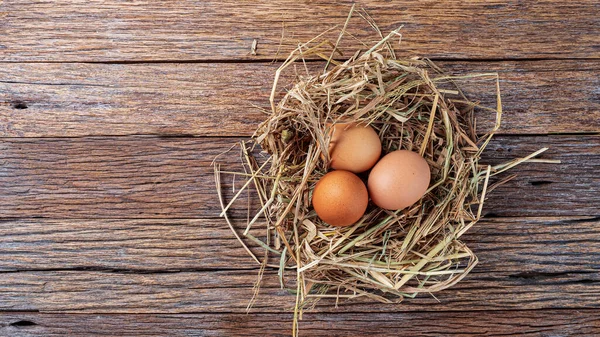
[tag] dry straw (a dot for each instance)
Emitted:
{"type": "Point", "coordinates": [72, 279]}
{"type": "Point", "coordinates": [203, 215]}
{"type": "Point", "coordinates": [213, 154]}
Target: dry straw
{"type": "Point", "coordinates": [387, 255]}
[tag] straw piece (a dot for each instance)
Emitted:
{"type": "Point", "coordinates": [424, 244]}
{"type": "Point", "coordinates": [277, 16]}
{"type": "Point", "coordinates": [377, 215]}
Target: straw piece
{"type": "Point", "coordinates": [218, 186]}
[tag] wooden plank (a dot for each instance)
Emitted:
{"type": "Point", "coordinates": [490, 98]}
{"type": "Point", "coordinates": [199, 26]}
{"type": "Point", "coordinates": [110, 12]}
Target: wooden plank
{"type": "Point", "coordinates": [521, 249]}
{"type": "Point", "coordinates": [230, 290]}
{"type": "Point", "coordinates": [506, 323]}
{"type": "Point", "coordinates": [150, 177]}
{"type": "Point", "coordinates": [217, 30]}
{"type": "Point", "coordinates": [129, 245]}
{"type": "Point", "coordinates": [515, 198]}
{"type": "Point", "coordinates": [72, 100]}
{"type": "Point", "coordinates": [197, 266]}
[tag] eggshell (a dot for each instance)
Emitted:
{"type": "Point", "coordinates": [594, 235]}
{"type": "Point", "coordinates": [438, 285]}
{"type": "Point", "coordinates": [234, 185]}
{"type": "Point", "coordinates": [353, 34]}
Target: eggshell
{"type": "Point", "coordinates": [340, 198]}
{"type": "Point", "coordinates": [353, 147]}
{"type": "Point", "coordinates": [399, 180]}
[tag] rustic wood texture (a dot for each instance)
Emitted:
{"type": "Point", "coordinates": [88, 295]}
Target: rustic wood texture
{"type": "Point", "coordinates": [67, 100]}
{"type": "Point", "coordinates": [429, 324]}
{"type": "Point", "coordinates": [506, 246]}
{"type": "Point", "coordinates": [224, 30]}
{"type": "Point", "coordinates": [224, 291]}
{"type": "Point", "coordinates": [111, 113]}
{"type": "Point", "coordinates": [188, 266]}
{"type": "Point", "coordinates": [149, 177]}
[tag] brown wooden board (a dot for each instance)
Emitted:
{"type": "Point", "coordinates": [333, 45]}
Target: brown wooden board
{"type": "Point", "coordinates": [231, 290]}
{"type": "Point", "coordinates": [153, 177]}
{"type": "Point", "coordinates": [190, 266]}
{"type": "Point", "coordinates": [217, 30]}
{"type": "Point", "coordinates": [510, 247]}
{"type": "Point", "coordinates": [429, 324]}
{"type": "Point", "coordinates": [111, 113]}
{"type": "Point", "coordinates": [223, 99]}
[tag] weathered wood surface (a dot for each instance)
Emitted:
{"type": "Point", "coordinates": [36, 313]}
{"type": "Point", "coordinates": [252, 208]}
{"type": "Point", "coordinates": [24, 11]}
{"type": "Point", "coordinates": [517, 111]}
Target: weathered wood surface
{"type": "Point", "coordinates": [117, 235]}
{"type": "Point", "coordinates": [188, 266]}
{"type": "Point", "coordinates": [217, 30]}
{"type": "Point", "coordinates": [583, 323]}
{"type": "Point", "coordinates": [212, 291]}
{"type": "Point", "coordinates": [509, 247]}
{"type": "Point", "coordinates": [221, 99]}
{"type": "Point", "coordinates": [152, 177]}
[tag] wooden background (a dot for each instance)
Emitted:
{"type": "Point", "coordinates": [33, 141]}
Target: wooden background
{"type": "Point", "coordinates": [111, 112]}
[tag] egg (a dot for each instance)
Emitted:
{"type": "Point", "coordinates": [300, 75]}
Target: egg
{"type": "Point", "coordinates": [340, 198]}
{"type": "Point", "coordinates": [353, 147]}
{"type": "Point", "coordinates": [398, 180]}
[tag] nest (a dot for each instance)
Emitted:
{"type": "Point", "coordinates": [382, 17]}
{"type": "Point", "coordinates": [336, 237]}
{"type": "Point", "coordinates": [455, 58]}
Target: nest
{"type": "Point", "coordinates": [387, 255]}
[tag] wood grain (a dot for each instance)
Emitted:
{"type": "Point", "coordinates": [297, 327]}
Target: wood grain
{"type": "Point", "coordinates": [433, 324]}
{"type": "Point", "coordinates": [509, 247]}
{"type": "Point", "coordinates": [108, 222]}
{"type": "Point", "coordinates": [221, 99]}
{"type": "Point", "coordinates": [224, 30]}
{"type": "Point", "coordinates": [230, 290]}
{"type": "Point", "coordinates": [152, 177]}
{"type": "Point", "coordinates": [188, 266]}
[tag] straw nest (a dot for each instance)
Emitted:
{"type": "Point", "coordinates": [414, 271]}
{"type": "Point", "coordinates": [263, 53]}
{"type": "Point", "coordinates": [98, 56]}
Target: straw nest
{"type": "Point", "coordinates": [387, 255]}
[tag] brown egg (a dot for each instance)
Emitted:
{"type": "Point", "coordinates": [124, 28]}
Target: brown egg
{"type": "Point", "coordinates": [399, 180]}
{"type": "Point", "coordinates": [340, 198]}
{"type": "Point", "coordinates": [354, 147]}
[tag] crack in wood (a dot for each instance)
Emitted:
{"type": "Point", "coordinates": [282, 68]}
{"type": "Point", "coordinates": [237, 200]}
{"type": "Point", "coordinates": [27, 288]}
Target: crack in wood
{"type": "Point", "coordinates": [23, 323]}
